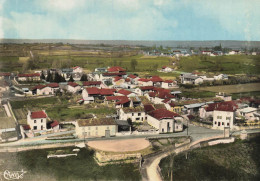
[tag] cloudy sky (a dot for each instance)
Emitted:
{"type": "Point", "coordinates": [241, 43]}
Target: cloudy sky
{"type": "Point", "coordinates": [131, 19]}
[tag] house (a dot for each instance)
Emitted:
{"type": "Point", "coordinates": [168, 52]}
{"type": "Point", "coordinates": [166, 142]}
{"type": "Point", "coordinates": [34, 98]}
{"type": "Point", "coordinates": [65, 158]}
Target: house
{"type": "Point", "coordinates": [165, 121]}
{"type": "Point", "coordinates": [29, 77]}
{"type": "Point", "coordinates": [234, 52]}
{"type": "Point", "coordinates": [189, 78]}
{"type": "Point", "coordinates": [96, 127]}
{"type": "Point", "coordinates": [221, 77]}
{"type": "Point", "coordinates": [96, 93]}
{"type": "Point", "coordinates": [101, 70]}
{"type": "Point", "coordinates": [160, 95]}
{"type": "Point", "coordinates": [54, 125]}
{"type": "Point", "coordinates": [168, 84]}
{"type": "Point", "coordinates": [119, 101]}
{"type": "Point", "coordinates": [73, 87]}
{"type": "Point", "coordinates": [37, 120]}
{"type": "Point", "coordinates": [205, 52]}
{"type": "Point", "coordinates": [77, 69]}
{"type": "Point", "coordinates": [224, 96]}
{"type": "Point", "coordinates": [123, 92]}
{"type": "Point", "coordinates": [248, 113]}
{"type": "Point", "coordinates": [224, 115]}
{"type": "Point", "coordinates": [166, 69]}
{"type": "Point", "coordinates": [5, 75]}
{"type": "Point", "coordinates": [42, 90]}
{"type": "Point", "coordinates": [133, 79]}
{"type": "Point", "coordinates": [116, 69]}
{"type": "Point", "coordinates": [157, 81]}
{"type": "Point", "coordinates": [136, 114]}
{"type": "Point", "coordinates": [144, 82]}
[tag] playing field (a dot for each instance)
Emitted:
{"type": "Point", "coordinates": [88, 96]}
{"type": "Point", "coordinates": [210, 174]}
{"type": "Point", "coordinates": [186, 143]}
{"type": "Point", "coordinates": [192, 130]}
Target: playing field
{"type": "Point", "coordinates": [251, 87]}
{"type": "Point", "coordinates": [120, 145]}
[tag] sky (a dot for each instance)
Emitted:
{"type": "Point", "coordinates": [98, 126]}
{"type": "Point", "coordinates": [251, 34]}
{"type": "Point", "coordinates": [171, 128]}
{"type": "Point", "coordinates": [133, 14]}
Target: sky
{"type": "Point", "coordinates": [131, 19]}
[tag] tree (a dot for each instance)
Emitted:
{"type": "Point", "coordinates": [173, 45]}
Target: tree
{"type": "Point", "coordinates": [57, 78]}
{"type": "Point", "coordinates": [133, 64]}
{"type": "Point", "coordinates": [84, 77]}
{"type": "Point", "coordinates": [49, 77]}
{"type": "Point", "coordinates": [42, 75]}
{"type": "Point", "coordinates": [71, 79]}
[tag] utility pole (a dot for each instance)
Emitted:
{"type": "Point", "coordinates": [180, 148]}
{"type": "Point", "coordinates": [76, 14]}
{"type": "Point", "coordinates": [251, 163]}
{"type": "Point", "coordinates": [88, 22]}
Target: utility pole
{"type": "Point", "coordinates": [187, 127]}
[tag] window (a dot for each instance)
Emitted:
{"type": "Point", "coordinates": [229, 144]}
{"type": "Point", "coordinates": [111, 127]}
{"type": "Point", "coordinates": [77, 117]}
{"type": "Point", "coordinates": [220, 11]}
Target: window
{"type": "Point", "coordinates": [139, 114]}
{"type": "Point", "coordinates": [132, 114]}
{"type": "Point", "coordinates": [41, 120]}
{"type": "Point", "coordinates": [219, 117]}
{"type": "Point", "coordinates": [137, 119]}
{"type": "Point", "coordinates": [222, 123]}
{"type": "Point", "coordinates": [34, 121]}
{"type": "Point", "coordinates": [215, 122]}
{"type": "Point", "coordinates": [145, 118]}
{"type": "Point", "coordinates": [228, 118]}
{"type": "Point", "coordinates": [227, 124]}
{"type": "Point", "coordinates": [41, 127]}
{"type": "Point", "coordinates": [35, 127]}
{"type": "Point", "coordinates": [96, 128]}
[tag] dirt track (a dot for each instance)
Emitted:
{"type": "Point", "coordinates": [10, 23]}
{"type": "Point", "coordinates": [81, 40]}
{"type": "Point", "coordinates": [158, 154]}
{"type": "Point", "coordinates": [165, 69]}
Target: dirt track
{"type": "Point", "coordinates": [120, 145]}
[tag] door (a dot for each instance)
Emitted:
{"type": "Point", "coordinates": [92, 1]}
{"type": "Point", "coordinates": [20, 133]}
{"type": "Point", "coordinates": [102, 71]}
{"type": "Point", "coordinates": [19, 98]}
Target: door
{"type": "Point", "coordinates": [107, 133]}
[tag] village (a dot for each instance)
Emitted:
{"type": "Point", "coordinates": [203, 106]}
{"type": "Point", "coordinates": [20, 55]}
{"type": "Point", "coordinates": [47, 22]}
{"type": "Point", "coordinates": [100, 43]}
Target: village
{"type": "Point", "coordinates": [140, 105]}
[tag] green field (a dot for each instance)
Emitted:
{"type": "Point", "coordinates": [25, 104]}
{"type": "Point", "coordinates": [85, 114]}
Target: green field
{"type": "Point", "coordinates": [82, 167]}
{"type": "Point", "coordinates": [236, 161]}
{"type": "Point", "coordinates": [235, 64]}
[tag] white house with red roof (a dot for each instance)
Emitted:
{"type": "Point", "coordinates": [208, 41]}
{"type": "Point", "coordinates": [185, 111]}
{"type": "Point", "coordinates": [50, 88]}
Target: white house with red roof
{"type": "Point", "coordinates": [96, 93]}
{"type": "Point", "coordinates": [133, 79]}
{"type": "Point", "coordinates": [37, 120]}
{"type": "Point", "coordinates": [93, 84]}
{"type": "Point", "coordinates": [224, 115]}
{"type": "Point", "coordinates": [168, 84]}
{"type": "Point", "coordinates": [77, 69]}
{"type": "Point", "coordinates": [144, 82]}
{"type": "Point", "coordinates": [29, 77]}
{"type": "Point", "coordinates": [123, 92]}
{"type": "Point", "coordinates": [165, 121]}
{"type": "Point", "coordinates": [166, 69]}
{"type": "Point", "coordinates": [116, 69]}
{"type": "Point", "coordinates": [73, 87]}
{"type": "Point", "coordinates": [119, 101]}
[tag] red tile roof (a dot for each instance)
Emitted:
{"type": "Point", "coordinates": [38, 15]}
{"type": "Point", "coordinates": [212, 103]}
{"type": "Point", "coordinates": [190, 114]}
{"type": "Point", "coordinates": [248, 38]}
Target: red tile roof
{"type": "Point", "coordinates": [38, 87]}
{"type": "Point", "coordinates": [106, 91]}
{"type": "Point", "coordinates": [156, 79]}
{"type": "Point", "coordinates": [144, 80]}
{"type": "Point", "coordinates": [117, 78]}
{"type": "Point", "coordinates": [92, 90]}
{"type": "Point", "coordinates": [164, 67]}
{"type": "Point", "coordinates": [132, 76]}
{"type": "Point", "coordinates": [75, 67]}
{"type": "Point", "coordinates": [162, 113]}
{"type": "Point", "coordinates": [127, 80]}
{"type": "Point", "coordinates": [229, 106]}
{"type": "Point", "coordinates": [73, 84]}
{"type": "Point", "coordinates": [168, 81]}
{"type": "Point", "coordinates": [53, 85]}
{"type": "Point", "coordinates": [147, 88]}
{"type": "Point", "coordinates": [148, 107]}
{"type": "Point", "coordinates": [29, 75]}
{"type": "Point", "coordinates": [114, 74]}
{"type": "Point", "coordinates": [116, 69]}
{"type": "Point", "coordinates": [26, 127]}
{"type": "Point", "coordinates": [119, 99]}
{"type": "Point", "coordinates": [90, 83]}
{"type": "Point", "coordinates": [166, 100]}
{"type": "Point", "coordinates": [124, 92]}
{"type": "Point", "coordinates": [38, 114]}
{"type": "Point", "coordinates": [54, 123]}
{"type": "Point", "coordinates": [5, 74]}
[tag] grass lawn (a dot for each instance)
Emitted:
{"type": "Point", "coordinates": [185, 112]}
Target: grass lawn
{"type": "Point", "coordinates": [82, 167]}
{"type": "Point", "coordinates": [197, 93]}
{"type": "Point", "coordinates": [250, 87]}
{"type": "Point", "coordinates": [8, 64]}
{"type": "Point", "coordinates": [63, 113]}
{"type": "Point", "coordinates": [37, 102]}
{"type": "Point", "coordinates": [236, 161]}
{"type": "Point", "coordinates": [246, 94]}
{"type": "Point", "coordinates": [236, 64]}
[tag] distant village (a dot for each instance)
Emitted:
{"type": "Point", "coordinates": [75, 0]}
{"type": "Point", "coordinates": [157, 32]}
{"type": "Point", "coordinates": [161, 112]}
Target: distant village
{"type": "Point", "coordinates": [144, 105]}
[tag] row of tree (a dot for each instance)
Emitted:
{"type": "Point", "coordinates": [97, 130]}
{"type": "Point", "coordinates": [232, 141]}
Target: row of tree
{"type": "Point", "coordinates": [59, 78]}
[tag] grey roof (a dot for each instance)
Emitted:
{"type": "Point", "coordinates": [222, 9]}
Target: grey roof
{"type": "Point", "coordinates": [190, 106]}
{"type": "Point", "coordinates": [122, 123]}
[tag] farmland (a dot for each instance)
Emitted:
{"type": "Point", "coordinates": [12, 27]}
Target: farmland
{"type": "Point", "coordinates": [236, 161]}
{"type": "Point", "coordinates": [251, 87]}
{"type": "Point", "coordinates": [235, 64]}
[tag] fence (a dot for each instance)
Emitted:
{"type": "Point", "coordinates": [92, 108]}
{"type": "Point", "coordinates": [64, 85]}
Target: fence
{"type": "Point", "coordinates": [128, 133]}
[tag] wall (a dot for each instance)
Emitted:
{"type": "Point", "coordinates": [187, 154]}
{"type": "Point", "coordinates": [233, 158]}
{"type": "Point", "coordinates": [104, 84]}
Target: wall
{"type": "Point", "coordinates": [224, 115]}
{"type": "Point", "coordinates": [95, 131]}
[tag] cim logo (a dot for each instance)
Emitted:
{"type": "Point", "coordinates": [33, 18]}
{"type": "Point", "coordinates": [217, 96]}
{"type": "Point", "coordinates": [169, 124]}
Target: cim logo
{"type": "Point", "coordinates": [13, 175]}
